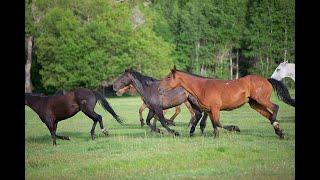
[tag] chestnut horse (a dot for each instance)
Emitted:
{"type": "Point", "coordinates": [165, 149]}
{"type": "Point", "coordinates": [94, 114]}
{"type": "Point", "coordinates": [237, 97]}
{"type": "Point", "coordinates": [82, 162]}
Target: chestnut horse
{"type": "Point", "coordinates": [214, 95]}
{"type": "Point", "coordinates": [52, 109]}
{"type": "Point", "coordinates": [132, 91]}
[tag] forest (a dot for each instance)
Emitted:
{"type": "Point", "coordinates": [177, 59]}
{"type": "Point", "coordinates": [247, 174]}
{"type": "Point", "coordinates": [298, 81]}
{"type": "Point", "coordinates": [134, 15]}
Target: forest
{"type": "Point", "coordinates": [88, 43]}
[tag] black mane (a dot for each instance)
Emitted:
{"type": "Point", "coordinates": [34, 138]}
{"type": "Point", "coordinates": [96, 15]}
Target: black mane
{"type": "Point", "coordinates": [142, 78]}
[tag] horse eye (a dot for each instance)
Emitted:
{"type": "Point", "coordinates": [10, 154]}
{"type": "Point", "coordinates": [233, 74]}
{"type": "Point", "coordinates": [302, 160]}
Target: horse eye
{"type": "Point", "coordinates": [278, 69]}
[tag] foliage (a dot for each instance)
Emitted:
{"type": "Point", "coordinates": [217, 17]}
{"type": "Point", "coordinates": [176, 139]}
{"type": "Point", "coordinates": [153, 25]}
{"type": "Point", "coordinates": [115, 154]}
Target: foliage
{"type": "Point", "coordinates": [82, 42]}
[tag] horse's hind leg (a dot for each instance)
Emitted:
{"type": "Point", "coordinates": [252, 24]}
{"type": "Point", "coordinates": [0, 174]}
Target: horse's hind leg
{"type": "Point", "coordinates": [262, 109]}
{"type": "Point", "coordinates": [193, 114]}
{"type": "Point", "coordinates": [141, 109]}
{"type": "Point", "coordinates": [176, 113]}
{"type": "Point", "coordinates": [88, 110]}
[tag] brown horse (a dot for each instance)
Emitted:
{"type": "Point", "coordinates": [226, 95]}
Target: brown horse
{"type": "Point", "coordinates": [132, 91]}
{"type": "Point", "coordinates": [214, 95]}
{"type": "Point", "coordinates": [52, 109]}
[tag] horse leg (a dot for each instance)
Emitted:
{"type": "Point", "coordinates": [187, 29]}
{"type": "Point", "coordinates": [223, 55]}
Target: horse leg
{"type": "Point", "coordinates": [159, 113]}
{"type": "Point", "coordinates": [141, 109]}
{"type": "Point", "coordinates": [52, 128]}
{"type": "Point", "coordinates": [198, 116]}
{"type": "Point", "coordinates": [193, 114]}
{"type": "Point", "coordinates": [59, 136]}
{"type": "Point", "coordinates": [103, 130]}
{"type": "Point", "coordinates": [94, 116]}
{"type": "Point", "coordinates": [171, 120]}
{"type": "Point", "coordinates": [149, 117]}
{"type": "Point", "coordinates": [214, 116]}
{"type": "Point", "coordinates": [203, 122]}
{"type": "Point", "coordinates": [262, 109]}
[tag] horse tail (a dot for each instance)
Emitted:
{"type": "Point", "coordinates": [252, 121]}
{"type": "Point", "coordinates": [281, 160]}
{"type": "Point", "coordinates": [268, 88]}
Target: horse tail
{"type": "Point", "coordinates": [282, 92]}
{"type": "Point", "coordinates": [107, 106]}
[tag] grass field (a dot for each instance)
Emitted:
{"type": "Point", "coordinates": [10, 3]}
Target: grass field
{"type": "Point", "coordinates": [133, 152]}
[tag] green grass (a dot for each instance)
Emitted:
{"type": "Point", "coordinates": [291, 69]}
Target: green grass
{"type": "Point", "coordinates": [132, 152]}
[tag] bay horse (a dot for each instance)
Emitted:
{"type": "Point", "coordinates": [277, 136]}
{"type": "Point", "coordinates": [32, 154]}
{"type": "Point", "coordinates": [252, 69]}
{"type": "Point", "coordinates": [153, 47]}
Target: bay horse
{"type": "Point", "coordinates": [214, 95]}
{"type": "Point", "coordinates": [132, 91]}
{"type": "Point", "coordinates": [148, 87]}
{"type": "Point", "coordinates": [52, 109]}
{"type": "Point", "coordinates": [284, 69]}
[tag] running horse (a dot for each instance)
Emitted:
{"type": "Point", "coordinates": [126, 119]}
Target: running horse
{"type": "Point", "coordinates": [132, 91]}
{"type": "Point", "coordinates": [148, 87]}
{"type": "Point", "coordinates": [52, 109]}
{"type": "Point", "coordinates": [214, 95]}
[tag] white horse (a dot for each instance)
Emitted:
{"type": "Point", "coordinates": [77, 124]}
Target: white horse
{"type": "Point", "coordinates": [284, 69]}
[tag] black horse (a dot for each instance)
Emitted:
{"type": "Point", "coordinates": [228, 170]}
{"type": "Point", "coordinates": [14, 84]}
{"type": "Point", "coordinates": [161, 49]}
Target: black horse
{"type": "Point", "coordinates": [52, 109]}
{"type": "Point", "coordinates": [147, 87]}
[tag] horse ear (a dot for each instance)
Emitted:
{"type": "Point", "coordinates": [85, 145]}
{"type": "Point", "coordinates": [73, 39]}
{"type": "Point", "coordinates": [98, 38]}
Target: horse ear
{"type": "Point", "coordinates": [173, 71]}
{"type": "Point", "coordinates": [286, 61]}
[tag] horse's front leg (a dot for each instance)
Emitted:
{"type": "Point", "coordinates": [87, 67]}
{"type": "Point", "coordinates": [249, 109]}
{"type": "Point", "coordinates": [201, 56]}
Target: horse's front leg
{"type": "Point", "coordinates": [149, 117]}
{"type": "Point", "coordinates": [198, 116]}
{"type": "Point", "coordinates": [52, 126]}
{"type": "Point", "coordinates": [159, 113]}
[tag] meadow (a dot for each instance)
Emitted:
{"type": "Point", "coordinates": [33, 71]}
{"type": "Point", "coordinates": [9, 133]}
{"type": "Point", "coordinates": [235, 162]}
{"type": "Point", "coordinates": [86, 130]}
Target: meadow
{"type": "Point", "coordinates": [133, 152]}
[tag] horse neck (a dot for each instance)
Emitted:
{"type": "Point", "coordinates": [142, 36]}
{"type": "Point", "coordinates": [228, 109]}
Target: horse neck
{"type": "Point", "coordinates": [138, 85]}
{"type": "Point", "coordinates": [187, 81]}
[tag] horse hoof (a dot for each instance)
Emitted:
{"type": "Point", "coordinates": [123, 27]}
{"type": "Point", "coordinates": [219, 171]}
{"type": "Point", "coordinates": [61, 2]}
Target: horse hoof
{"type": "Point", "coordinates": [191, 134]}
{"type": "Point", "coordinates": [93, 137]}
{"type": "Point", "coordinates": [141, 123]}
{"type": "Point", "coordinates": [176, 133]}
{"type": "Point", "coordinates": [236, 128]}
{"type": "Point", "coordinates": [67, 138]}
{"type": "Point", "coordinates": [106, 133]}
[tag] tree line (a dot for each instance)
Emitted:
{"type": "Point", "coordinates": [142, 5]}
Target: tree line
{"type": "Point", "coordinates": [81, 43]}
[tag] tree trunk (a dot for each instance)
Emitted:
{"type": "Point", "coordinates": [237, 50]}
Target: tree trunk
{"type": "Point", "coordinates": [28, 84]}
{"type": "Point", "coordinates": [197, 54]}
{"type": "Point", "coordinates": [203, 70]}
{"type": "Point", "coordinates": [285, 48]}
{"type": "Point", "coordinates": [267, 67]}
{"type": "Point", "coordinates": [231, 73]}
{"type": "Point", "coordinates": [237, 74]}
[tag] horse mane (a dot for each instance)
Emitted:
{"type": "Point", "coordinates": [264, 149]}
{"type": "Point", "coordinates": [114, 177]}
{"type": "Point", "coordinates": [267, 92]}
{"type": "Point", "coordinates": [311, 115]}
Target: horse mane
{"type": "Point", "coordinates": [142, 78]}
